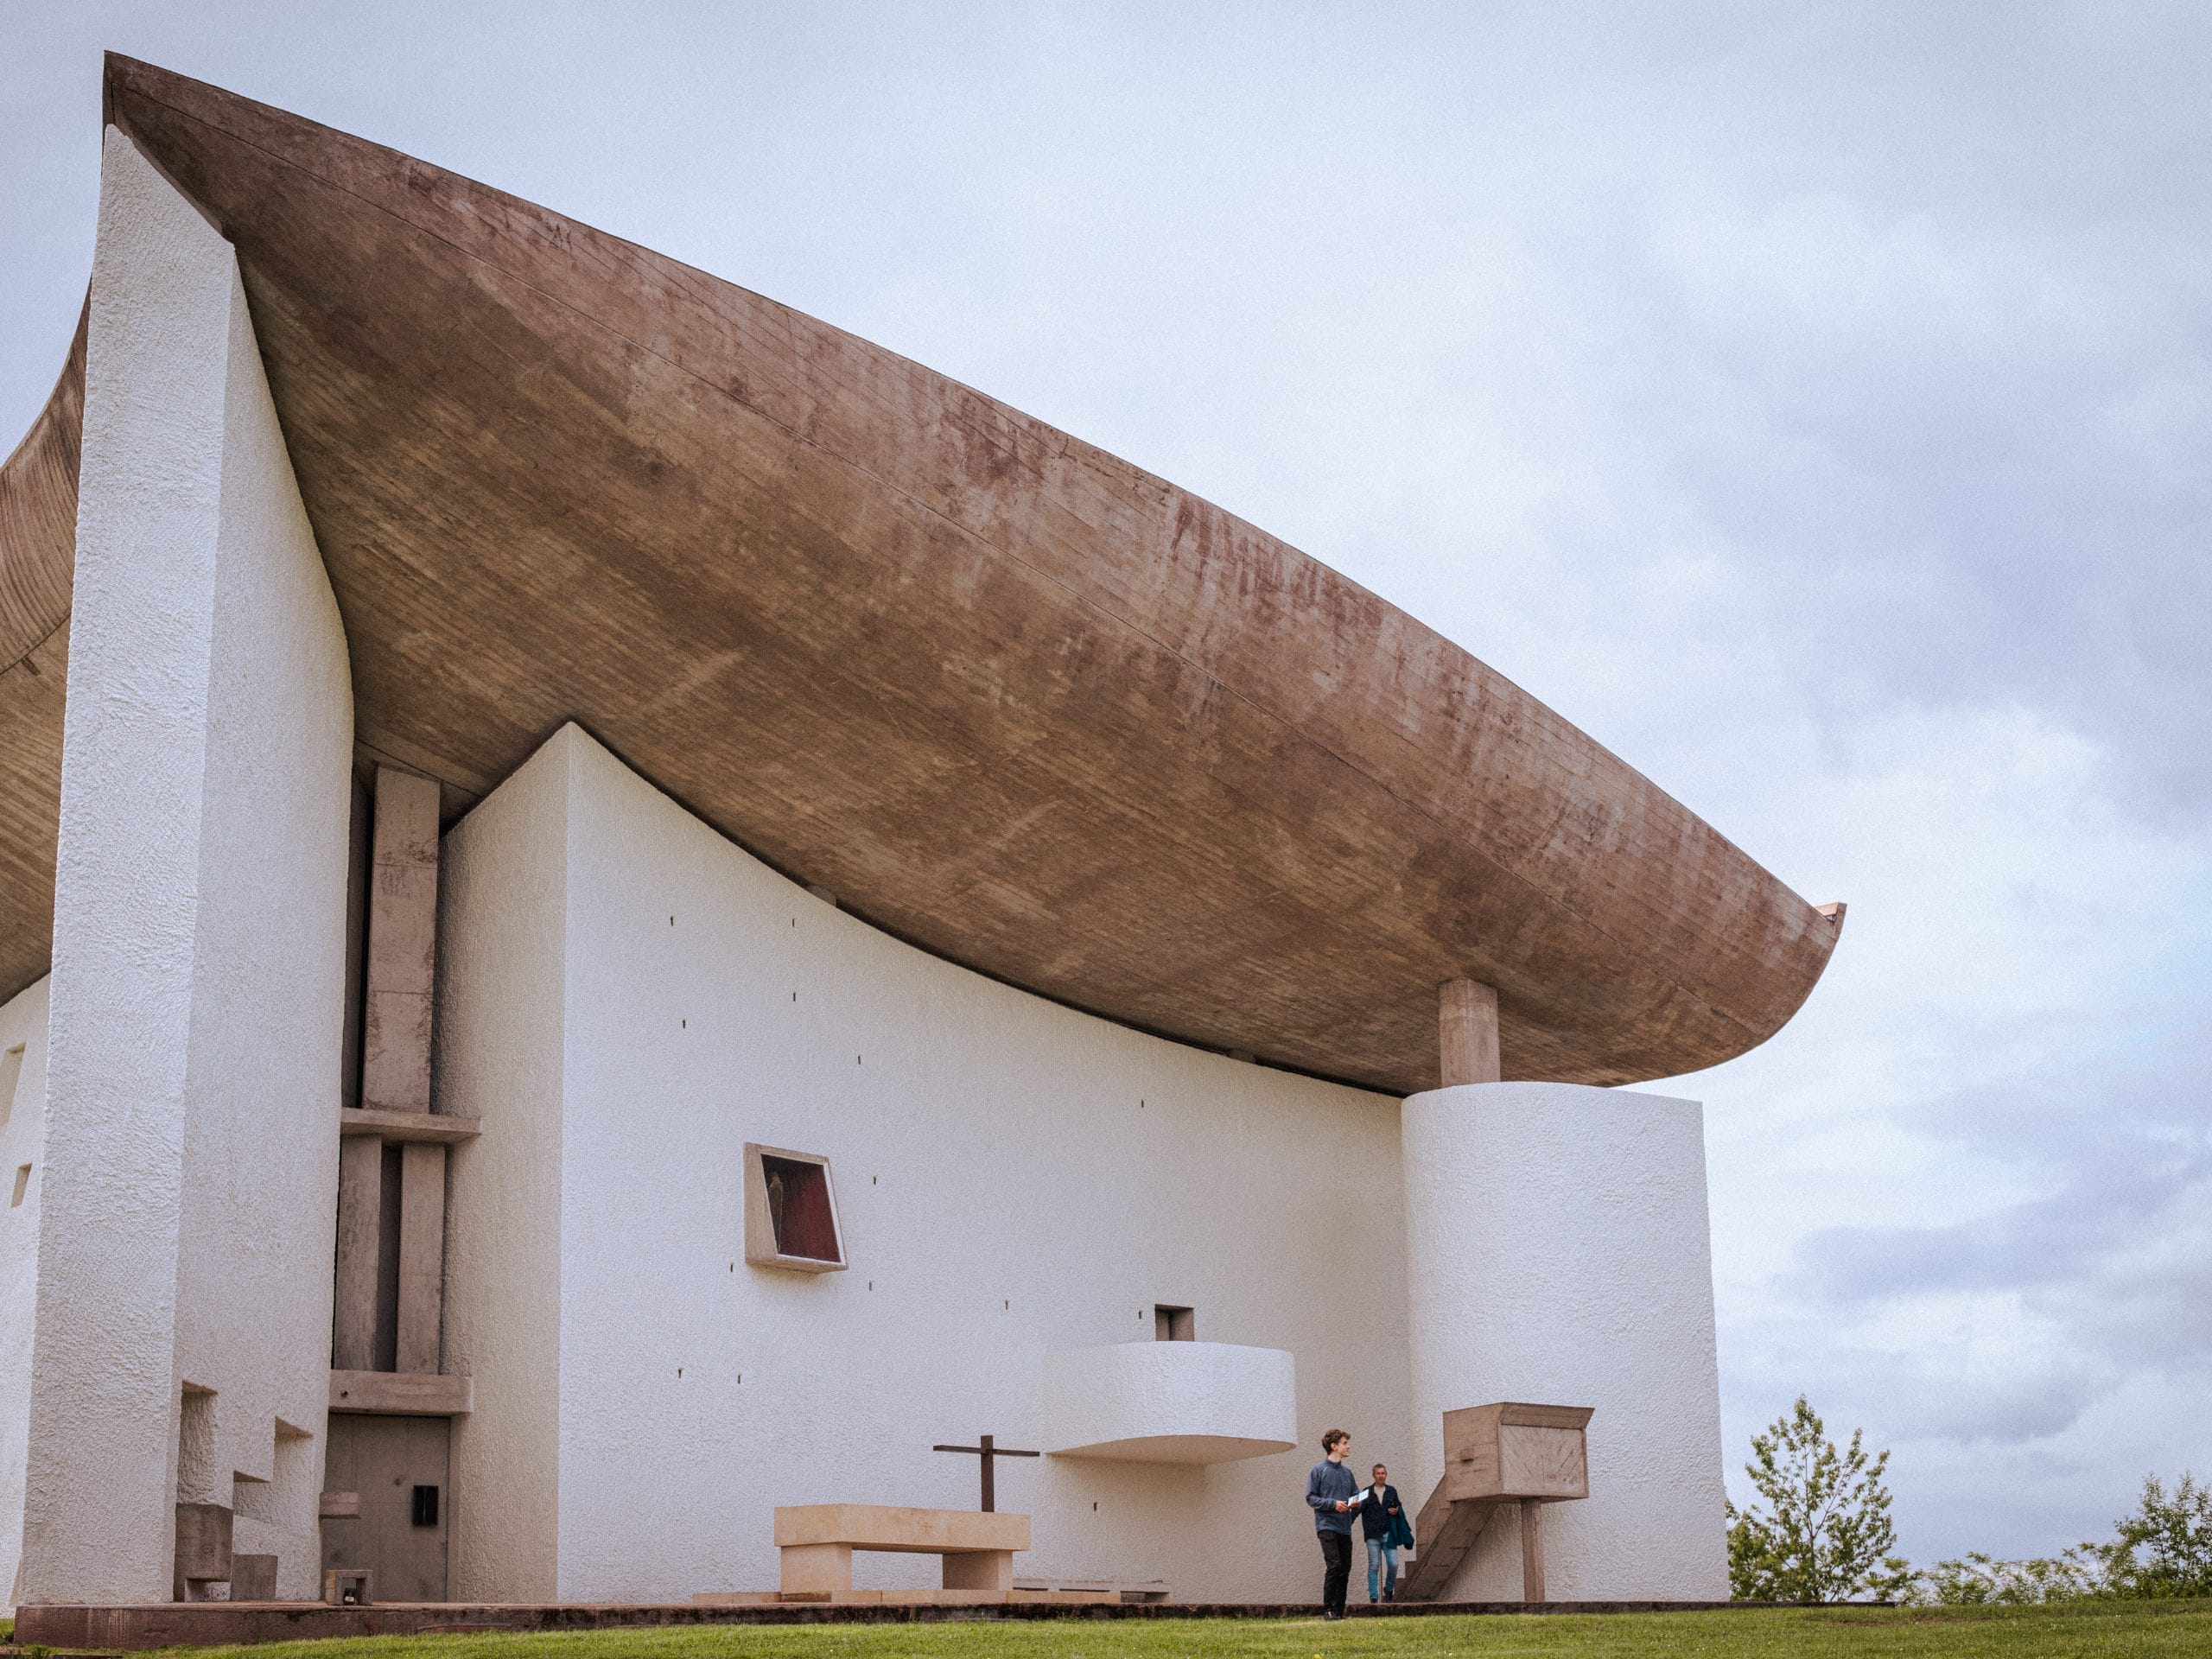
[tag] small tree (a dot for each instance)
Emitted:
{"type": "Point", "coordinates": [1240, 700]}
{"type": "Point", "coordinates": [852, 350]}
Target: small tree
{"type": "Point", "coordinates": [2165, 1547]}
{"type": "Point", "coordinates": [1821, 1531]}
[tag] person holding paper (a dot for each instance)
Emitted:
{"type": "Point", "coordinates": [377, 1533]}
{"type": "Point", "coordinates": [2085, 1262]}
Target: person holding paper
{"type": "Point", "coordinates": [1333, 1493]}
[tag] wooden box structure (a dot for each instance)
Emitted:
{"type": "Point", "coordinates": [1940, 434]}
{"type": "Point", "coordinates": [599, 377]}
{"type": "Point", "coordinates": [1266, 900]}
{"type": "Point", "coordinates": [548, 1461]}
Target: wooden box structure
{"type": "Point", "coordinates": [1516, 1451]}
{"type": "Point", "coordinates": [1507, 1453]}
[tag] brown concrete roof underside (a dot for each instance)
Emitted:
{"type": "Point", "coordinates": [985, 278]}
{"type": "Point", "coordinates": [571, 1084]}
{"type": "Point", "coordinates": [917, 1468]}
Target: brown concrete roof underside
{"type": "Point", "coordinates": [1004, 695]}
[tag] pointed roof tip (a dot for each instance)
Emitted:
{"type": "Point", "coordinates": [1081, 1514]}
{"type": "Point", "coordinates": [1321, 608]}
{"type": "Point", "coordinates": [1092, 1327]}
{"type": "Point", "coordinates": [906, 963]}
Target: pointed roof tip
{"type": "Point", "coordinates": [1833, 913]}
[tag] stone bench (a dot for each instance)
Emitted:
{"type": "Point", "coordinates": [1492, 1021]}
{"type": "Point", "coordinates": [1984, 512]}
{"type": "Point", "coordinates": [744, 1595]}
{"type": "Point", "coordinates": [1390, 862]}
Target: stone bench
{"type": "Point", "coordinates": [817, 1541]}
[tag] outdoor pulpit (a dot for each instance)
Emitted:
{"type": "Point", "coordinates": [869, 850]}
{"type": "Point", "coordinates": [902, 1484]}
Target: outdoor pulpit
{"type": "Point", "coordinates": [1510, 1453]}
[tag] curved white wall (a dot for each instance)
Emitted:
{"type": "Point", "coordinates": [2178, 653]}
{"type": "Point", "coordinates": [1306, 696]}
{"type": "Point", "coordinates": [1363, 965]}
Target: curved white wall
{"type": "Point", "coordinates": [1170, 1402]}
{"type": "Point", "coordinates": [626, 999]}
{"type": "Point", "coordinates": [1557, 1252]}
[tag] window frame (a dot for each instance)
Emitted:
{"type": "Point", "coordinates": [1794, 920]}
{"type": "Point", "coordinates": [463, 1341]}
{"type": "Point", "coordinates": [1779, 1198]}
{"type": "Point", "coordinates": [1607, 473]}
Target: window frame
{"type": "Point", "coordinates": [760, 1250]}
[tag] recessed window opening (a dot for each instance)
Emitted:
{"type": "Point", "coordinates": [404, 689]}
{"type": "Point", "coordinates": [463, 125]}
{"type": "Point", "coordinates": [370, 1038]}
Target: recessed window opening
{"type": "Point", "coordinates": [798, 1208]}
{"type": "Point", "coordinates": [423, 1510]}
{"type": "Point", "coordinates": [197, 1481]}
{"type": "Point", "coordinates": [11, 1069]}
{"type": "Point", "coordinates": [22, 1185]}
{"type": "Point", "coordinates": [790, 1211]}
{"type": "Point", "coordinates": [1174, 1324]}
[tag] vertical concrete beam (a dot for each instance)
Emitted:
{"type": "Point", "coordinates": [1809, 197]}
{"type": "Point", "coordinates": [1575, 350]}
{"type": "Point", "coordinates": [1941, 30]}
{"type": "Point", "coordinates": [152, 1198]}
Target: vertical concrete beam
{"type": "Point", "coordinates": [1466, 1026]}
{"type": "Point", "coordinates": [360, 1219]}
{"type": "Point", "coordinates": [1532, 1550]}
{"type": "Point", "coordinates": [403, 944]}
{"type": "Point", "coordinates": [422, 1255]}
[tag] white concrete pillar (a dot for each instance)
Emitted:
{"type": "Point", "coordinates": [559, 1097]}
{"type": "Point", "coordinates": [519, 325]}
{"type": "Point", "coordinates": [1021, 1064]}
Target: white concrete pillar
{"type": "Point", "coordinates": [186, 1226]}
{"type": "Point", "coordinates": [1557, 1252]}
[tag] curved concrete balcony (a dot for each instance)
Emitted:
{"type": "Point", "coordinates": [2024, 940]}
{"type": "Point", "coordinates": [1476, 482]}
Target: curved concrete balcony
{"type": "Point", "coordinates": [1170, 1402]}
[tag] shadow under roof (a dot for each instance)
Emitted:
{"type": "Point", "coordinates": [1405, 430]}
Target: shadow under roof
{"type": "Point", "coordinates": [1005, 695]}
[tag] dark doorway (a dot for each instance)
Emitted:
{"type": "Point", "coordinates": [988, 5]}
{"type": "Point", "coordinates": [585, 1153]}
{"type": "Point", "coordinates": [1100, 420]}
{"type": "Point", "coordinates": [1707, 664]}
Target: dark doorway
{"type": "Point", "coordinates": [401, 1468]}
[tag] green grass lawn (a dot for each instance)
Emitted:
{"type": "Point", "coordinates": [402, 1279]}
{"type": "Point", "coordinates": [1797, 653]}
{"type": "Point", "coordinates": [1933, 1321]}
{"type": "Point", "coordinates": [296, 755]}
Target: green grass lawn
{"type": "Point", "coordinates": [2095, 1628]}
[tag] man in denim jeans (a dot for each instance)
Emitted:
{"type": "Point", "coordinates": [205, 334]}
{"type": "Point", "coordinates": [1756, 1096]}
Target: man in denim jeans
{"type": "Point", "coordinates": [1379, 1510]}
{"type": "Point", "coordinates": [1333, 1492]}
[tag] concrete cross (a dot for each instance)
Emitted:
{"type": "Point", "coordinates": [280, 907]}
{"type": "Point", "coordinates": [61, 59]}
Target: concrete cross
{"type": "Point", "coordinates": [987, 1451]}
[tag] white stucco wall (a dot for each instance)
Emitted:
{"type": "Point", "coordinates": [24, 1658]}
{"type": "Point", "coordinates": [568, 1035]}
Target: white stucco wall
{"type": "Point", "coordinates": [1561, 1256]}
{"type": "Point", "coordinates": [23, 1099]}
{"type": "Point", "coordinates": [499, 1056]}
{"type": "Point", "coordinates": [1013, 1178]}
{"type": "Point", "coordinates": [190, 1136]}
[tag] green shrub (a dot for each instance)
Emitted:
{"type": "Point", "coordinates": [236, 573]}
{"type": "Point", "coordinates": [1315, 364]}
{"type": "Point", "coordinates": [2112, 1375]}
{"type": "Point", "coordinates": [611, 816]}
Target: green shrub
{"type": "Point", "coordinates": [1821, 1529]}
{"type": "Point", "coordinates": [2165, 1549]}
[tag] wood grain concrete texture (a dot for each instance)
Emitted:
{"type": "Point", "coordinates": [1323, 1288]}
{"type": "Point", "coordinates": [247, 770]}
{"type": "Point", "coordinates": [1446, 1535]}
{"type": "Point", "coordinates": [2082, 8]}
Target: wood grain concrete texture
{"type": "Point", "coordinates": [401, 1394]}
{"type": "Point", "coordinates": [403, 924]}
{"type": "Point", "coordinates": [360, 1222]}
{"type": "Point", "coordinates": [897, 1527]}
{"type": "Point", "coordinates": [38, 553]}
{"type": "Point", "coordinates": [1010, 697]}
{"type": "Point", "coordinates": [422, 1255]}
{"type": "Point", "coordinates": [1467, 1033]}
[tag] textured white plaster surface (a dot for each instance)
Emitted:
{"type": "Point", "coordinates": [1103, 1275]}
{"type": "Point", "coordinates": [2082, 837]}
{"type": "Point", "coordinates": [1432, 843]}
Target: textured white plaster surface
{"type": "Point", "coordinates": [502, 932]}
{"type": "Point", "coordinates": [23, 1101]}
{"type": "Point", "coordinates": [185, 1232]}
{"type": "Point", "coordinates": [1561, 1256]}
{"type": "Point", "coordinates": [1014, 1180]}
{"type": "Point", "coordinates": [1171, 1402]}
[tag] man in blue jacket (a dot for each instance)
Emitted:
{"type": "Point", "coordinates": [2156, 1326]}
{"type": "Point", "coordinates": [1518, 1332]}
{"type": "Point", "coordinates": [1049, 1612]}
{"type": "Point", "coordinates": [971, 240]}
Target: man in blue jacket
{"type": "Point", "coordinates": [1383, 1518]}
{"type": "Point", "coordinates": [1332, 1492]}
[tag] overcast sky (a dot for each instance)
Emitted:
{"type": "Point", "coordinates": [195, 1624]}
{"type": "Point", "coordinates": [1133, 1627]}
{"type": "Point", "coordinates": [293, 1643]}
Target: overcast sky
{"type": "Point", "coordinates": [1810, 402]}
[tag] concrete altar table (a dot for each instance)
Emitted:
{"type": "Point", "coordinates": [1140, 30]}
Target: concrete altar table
{"type": "Point", "coordinates": [817, 1541]}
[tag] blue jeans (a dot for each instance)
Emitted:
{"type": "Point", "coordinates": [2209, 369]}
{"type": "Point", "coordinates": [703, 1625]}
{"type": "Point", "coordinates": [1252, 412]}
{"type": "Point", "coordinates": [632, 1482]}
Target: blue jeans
{"type": "Point", "coordinates": [1380, 1556]}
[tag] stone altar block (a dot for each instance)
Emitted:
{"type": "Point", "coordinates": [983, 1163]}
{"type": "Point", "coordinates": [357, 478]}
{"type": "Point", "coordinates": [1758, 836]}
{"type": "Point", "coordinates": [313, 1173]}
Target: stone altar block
{"type": "Point", "coordinates": [817, 1541]}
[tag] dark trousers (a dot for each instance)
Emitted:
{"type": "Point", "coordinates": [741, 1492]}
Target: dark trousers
{"type": "Point", "coordinates": [1336, 1557]}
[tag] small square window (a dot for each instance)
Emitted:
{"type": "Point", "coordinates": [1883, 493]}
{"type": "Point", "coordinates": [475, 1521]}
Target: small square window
{"type": "Point", "coordinates": [790, 1211]}
{"type": "Point", "coordinates": [425, 1506]}
{"type": "Point", "coordinates": [1174, 1324]}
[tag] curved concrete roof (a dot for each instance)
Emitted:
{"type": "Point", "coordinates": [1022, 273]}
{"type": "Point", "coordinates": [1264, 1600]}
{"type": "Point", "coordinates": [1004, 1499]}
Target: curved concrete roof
{"type": "Point", "coordinates": [1005, 695]}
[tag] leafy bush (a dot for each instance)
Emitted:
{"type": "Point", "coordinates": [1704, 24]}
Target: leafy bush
{"type": "Point", "coordinates": [1982, 1581]}
{"type": "Point", "coordinates": [1821, 1530]}
{"type": "Point", "coordinates": [2164, 1549]}
{"type": "Point", "coordinates": [2161, 1552]}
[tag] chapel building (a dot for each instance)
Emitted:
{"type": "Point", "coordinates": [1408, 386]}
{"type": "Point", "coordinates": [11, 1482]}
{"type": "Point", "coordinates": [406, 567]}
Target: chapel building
{"type": "Point", "coordinates": [619, 909]}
